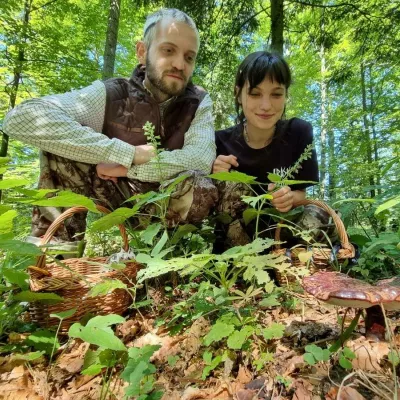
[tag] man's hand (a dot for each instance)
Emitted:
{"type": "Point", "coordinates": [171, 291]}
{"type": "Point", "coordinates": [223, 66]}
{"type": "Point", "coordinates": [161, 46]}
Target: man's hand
{"type": "Point", "coordinates": [282, 199]}
{"type": "Point", "coordinates": [224, 163]}
{"type": "Point", "coordinates": [111, 172]}
{"type": "Point", "coordinates": [143, 154]}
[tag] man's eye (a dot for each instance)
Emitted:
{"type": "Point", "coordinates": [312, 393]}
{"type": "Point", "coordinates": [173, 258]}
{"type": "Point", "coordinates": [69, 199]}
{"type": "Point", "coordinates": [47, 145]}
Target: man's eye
{"type": "Point", "coordinates": [167, 50]}
{"type": "Point", "coordinates": [190, 59]}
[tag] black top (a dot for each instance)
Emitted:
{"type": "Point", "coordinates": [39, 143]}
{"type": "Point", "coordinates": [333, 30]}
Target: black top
{"type": "Point", "coordinates": [290, 139]}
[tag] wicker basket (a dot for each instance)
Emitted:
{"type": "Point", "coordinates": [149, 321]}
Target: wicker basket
{"type": "Point", "coordinates": [73, 278]}
{"type": "Point", "coordinates": [323, 258]}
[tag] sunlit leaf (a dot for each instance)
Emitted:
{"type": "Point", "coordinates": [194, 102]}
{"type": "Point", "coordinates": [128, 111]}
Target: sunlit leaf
{"type": "Point", "coordinates": [105, 287]}
{"type": "Point", "coordinates": [11, 183]}
{"type": "Point", "coordinates": [64, 199]}
{"type": "Point", "coordinates": [20, 247]}
{"type": "Point", "coordinates": [233, 176]}
{"type": "Point", "coordinates": [388, 204]}
{"type": "Point", "coordinates": [34, 296]}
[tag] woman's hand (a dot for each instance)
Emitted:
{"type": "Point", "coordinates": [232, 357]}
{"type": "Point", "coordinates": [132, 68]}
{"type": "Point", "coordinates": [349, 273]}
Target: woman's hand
{"type": "Point", "coordinates": [111, 172]}
{"type": "Point", "coordinates": [224, 163]}
{"type": "Point", "coordinates": [284, 198]}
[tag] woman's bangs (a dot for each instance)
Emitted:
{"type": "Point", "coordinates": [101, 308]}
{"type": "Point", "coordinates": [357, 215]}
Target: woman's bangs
{"type": "Point", "coordinates": [266, 67]}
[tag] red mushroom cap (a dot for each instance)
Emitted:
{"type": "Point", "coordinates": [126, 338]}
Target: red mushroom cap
{"type": "Point", "coordinates": [341, 290]}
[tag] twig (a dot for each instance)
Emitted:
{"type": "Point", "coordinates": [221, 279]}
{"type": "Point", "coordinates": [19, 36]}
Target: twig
{"type": "Point", "coordinates": [347, 377]}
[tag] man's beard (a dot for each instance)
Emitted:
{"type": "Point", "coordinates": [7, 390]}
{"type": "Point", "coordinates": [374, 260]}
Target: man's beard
{"type": "Point", "coordinates": [170, 89]}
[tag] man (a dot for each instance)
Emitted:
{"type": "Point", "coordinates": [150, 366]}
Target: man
{"type": "Point", "coordinates": [101, 126]}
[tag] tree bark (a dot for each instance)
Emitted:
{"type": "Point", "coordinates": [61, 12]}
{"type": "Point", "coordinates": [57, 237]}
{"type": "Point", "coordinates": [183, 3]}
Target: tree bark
{"type": "Point", "coordinates": [367, 135]}
{"type": "Point", "coordinates": [324, 123]}
{"type": "Point", "coordinates": [111, 39]}
{"type": "Point", "coordinates": [373, 127]}
{"type": "Point", "coordinates": [13, 92]}
{"type": "Point", "coordinates": [277, 18]}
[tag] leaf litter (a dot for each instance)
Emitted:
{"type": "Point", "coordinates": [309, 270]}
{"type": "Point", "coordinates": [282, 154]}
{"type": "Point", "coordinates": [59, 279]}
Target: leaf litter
{"type": "Point", "coordinates": [179, 362]}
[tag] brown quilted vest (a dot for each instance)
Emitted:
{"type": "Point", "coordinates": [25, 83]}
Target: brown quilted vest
{"type": "Point", "coordinates": [129, 107]}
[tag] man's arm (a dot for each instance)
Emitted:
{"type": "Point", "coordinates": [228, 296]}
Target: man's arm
{"type": "Point", "coordinates": [69, 125]}
{"type": "Point", "coordinates": [198, 151]}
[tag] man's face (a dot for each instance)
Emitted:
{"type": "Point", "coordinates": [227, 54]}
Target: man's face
{"type": "Point", "coordinates": [171, 58]}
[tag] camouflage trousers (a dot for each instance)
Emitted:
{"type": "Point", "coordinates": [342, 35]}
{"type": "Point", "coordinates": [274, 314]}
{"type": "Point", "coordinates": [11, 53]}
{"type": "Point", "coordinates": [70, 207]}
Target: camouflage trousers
{"type": "Point", "coordinates": [190, 202]}
{"type": "Point", "coordinates": [231, 230]}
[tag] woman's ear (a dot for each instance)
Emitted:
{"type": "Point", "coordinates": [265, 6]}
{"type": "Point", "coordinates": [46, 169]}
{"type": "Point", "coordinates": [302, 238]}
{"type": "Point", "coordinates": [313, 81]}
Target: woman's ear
{"type": "Point", "coordinates": [237, 94]}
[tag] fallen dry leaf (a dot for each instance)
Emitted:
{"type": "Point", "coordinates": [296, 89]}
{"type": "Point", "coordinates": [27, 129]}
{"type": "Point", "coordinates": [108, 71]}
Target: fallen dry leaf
{"type": "Point", "coordinates": [368, 354]}
{"type": "Point", "coordinates": [193, 394]}
{"type": "Point", "coordinates": [73, 361]}
{"type": "Point", "coordinates": [244, 376]}
{"type": "Point", "coordinates": [303, 390]}
{"type": "Point", "coordinates": [348, 393]}
{"type": "Point", "coordinates": [246, 394]}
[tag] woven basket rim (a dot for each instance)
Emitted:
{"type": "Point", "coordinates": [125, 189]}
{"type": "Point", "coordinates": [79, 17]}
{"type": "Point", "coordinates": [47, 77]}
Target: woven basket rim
{"type": "Point", "coordinates": [347, 249]}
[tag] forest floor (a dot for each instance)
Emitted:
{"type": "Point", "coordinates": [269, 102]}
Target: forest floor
{"type": "Point", "coordinates": [286, 376]}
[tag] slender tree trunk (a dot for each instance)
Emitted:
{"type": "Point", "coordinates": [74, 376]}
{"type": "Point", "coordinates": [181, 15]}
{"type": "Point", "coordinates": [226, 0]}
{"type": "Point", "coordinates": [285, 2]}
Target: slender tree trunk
{"type": "Point", "coordinates": [13, 91]}
{"type": "Point", "coordinates": [277, 18]}
{"type": "Point", "coordinates": [324, 123]}
{"type": "Point", "coordinates": [111, 39]}
{"type": "Point", "coordinates": [373, 127]}
{"type": "Point", "coordinates": [367, 137]}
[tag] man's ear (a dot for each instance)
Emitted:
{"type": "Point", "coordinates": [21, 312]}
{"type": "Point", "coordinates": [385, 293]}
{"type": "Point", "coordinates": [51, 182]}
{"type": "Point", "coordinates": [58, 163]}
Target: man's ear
{"type": "Point", "coordinates": [141, 52]}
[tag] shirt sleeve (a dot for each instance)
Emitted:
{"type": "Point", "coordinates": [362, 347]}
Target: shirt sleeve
{"type": "Point", "coordinates": [69, 125]}
{"type": "Point", "coordinates": [198, 151]}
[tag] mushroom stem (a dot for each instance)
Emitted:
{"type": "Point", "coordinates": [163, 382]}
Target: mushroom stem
{"type": "Point", "coordinates": [375, 327]}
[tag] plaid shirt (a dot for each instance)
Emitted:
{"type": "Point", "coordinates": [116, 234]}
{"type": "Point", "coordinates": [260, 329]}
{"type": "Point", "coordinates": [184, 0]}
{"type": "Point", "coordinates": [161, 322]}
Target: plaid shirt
{"type": "Point", "coordinates": [70, 125]}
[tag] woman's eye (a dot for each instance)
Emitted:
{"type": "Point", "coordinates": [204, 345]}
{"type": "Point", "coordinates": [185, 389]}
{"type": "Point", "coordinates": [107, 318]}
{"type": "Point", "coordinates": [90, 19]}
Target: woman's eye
{"type": "Point", "coordinates": [277, 95]}
{"type": "Point", "coordinates": [252, 94]}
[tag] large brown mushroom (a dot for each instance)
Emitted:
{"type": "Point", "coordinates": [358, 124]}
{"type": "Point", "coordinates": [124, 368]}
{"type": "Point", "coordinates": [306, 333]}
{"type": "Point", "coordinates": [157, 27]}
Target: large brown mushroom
{"type": "Point", "coordinates": [341, 290]}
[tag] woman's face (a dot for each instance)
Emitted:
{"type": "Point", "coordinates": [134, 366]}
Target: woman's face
{"type": "Point", "coordinates": [263, 105]}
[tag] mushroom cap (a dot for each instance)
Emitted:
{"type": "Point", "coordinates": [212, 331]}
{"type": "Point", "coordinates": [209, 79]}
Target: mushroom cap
{"type": "Point", "coordinates": [341, 290]}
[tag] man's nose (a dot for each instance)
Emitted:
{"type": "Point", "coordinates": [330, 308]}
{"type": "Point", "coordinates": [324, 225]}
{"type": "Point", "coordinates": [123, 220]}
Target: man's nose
{"type": "Point", "coordinates": [179, 62]}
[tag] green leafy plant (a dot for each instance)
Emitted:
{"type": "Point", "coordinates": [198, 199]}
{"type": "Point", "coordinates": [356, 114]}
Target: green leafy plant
{"type": "Point", "coordinates": [315, 354]}
{"type": "Point", "coordinates": [139, 373]}
{"type": "Point", "coordinates": [345, 357]}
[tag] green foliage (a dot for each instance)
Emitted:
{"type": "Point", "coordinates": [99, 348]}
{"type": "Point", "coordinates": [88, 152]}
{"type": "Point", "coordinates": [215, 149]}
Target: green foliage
{"type": "Point", "coordinates": [139, 373]}
{"type": "Point", "coordinates": [274, 331]}
{"type": "Point", "coordinates": [47, 298]}
{"type": "Point", "coordinates": [98, 332]}
{"type": "Point", "coordinates": [211, 363]}
{"type": "Point", "coordinates": [345, 357]}
{"type": "Point", "coordinates": [394, 358]}
{"type": "Point", "coordinates": [315, 354]}
{"type": "Point", "coordinates": [43, 340]}
{"type": "Point", "coordinates": [105, 287]}
{"type": "Point", "coordinates": [63, 199]}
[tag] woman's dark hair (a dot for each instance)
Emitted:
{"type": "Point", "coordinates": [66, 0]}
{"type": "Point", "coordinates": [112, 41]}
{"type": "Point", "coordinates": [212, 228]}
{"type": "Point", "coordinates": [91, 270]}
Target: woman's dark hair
{"type": "Point", "coordinates": [255, 68]}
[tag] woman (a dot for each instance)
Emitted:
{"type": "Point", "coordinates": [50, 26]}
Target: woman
{"type": "Point", "coordinates": [263, 141]}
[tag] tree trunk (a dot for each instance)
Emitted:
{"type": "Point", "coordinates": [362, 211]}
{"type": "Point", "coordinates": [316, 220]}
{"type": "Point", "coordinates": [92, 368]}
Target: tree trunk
{"type": "Point", "coordinates": [277, 17]}
{"type": "Point", "coordinates": [367, 137]}
{"type": "Point", "coordinates": [324, 123]}
{"type": "Point", "coordinates": [17, 74]}
{"type": "Point", "coordinates": [373, 127]}
{"type": "Point", "coordinates": [111, 39]}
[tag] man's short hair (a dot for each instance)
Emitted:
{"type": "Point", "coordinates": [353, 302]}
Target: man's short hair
{"type": "Point", "coordinates": [171, 13]}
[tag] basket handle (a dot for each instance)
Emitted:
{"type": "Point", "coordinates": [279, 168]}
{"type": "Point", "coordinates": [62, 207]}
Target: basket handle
{"type": "Point", "coordinates": [344, 240]}
{"type": "Point", "coordinates": [52, 229]}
